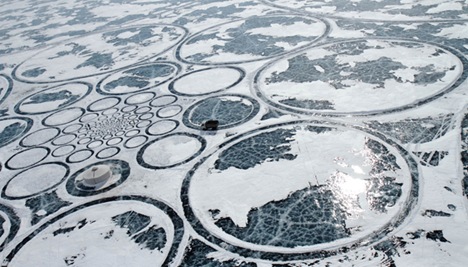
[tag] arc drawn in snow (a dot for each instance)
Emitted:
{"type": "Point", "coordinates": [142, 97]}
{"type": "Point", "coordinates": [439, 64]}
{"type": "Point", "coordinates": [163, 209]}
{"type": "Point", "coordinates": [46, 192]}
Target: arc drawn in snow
{"type": "Point", "coordinates": [63, 116]}
{"type": "Point", "coordinates": [9, 226]}
{"type": "Point", "coordinates": [142, 229]}
{"type": "Point", "coordinates": [169, 111]}
{"type": "Point", "coordinates": [79, 156]}
{"type": "Point", "coordinates": [163, 100]}
{"type": "Point", "coordinates": [135, 141]}
{"type": "Point", "coordinates": [162, 127]}
{"type": "Point", "coordinates": [27, 158]}
{"type": "Point", "coordinates": [104, 104]}
{"type": "Point", "coordinates": [108, 152]}
{"type": "Point", "coordinates": [6, 84]}
{"type": "Point", "coordinates": [62, 151]}
{"type": "Point", "coordinates": [140, 98]}
{"type": "Point", "coordinates": [40, 137]}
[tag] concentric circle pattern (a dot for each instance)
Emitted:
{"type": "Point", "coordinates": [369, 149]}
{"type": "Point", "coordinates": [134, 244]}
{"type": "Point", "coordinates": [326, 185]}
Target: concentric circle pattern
{"type": "Point", "coordinates": [271, 133]}
{"type": "Point", "coordinates": [100, 131]}
{"type": "Point", "coordinates": [120, 172]}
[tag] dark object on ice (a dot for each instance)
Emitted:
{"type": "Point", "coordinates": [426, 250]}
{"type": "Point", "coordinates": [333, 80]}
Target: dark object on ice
{"type": "Point", "coordinates": [210, 125]}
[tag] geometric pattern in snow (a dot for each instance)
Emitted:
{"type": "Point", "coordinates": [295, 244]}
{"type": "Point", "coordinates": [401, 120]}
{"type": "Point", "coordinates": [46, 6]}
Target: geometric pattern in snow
{"type": "Point", "coordinates": [313, 102]}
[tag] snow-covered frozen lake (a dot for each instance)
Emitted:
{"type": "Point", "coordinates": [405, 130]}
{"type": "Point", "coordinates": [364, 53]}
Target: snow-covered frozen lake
{"type": "Point", "coordinates": [342, 136]}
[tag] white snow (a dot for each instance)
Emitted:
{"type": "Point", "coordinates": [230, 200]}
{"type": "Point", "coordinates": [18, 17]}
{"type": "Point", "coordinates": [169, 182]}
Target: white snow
{"type": "Point", "coordinates": [171, 150]}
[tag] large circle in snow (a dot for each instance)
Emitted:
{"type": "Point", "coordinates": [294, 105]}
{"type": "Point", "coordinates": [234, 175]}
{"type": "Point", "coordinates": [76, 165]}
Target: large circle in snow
{"type": "Point", "coordinates": [138, 78]}
{"type": "Point", "coordinates": [300, 189]}
{"type": "Point", "coordinates": [196, 83]}
{"type": "Point", "coordinates": [63, 116]}
{"type": "Point", "coordinates": [360, 77]}
{"type": "Point", "coordinates": [35, 180]}
{"type": "Point", "coordinates": [99, 53]}
{"type": "Point", "coordinates": [251, 39]}
{"type": "Point", "coordinates": [54, 98]}
{"type": "Point", "coordinates": [27, 158]}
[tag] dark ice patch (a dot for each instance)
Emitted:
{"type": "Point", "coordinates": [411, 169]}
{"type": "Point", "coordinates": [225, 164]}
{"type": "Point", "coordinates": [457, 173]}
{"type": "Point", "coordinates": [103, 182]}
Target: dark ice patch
{"type": "Point", "coordinates": [133, 221]}
{"type": "Point", "coordinates": [48, 202]}
{"type": "Point", "coordinates": [196, 254]}
{"type": "Point", "coordinates": [33, 73]}
{"type": "Point", "coordinates": [269, 146]}
{"type": "Point", "coordinates": [436, 213]}
{"type": "Point", "coordinates": [307, 217]}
